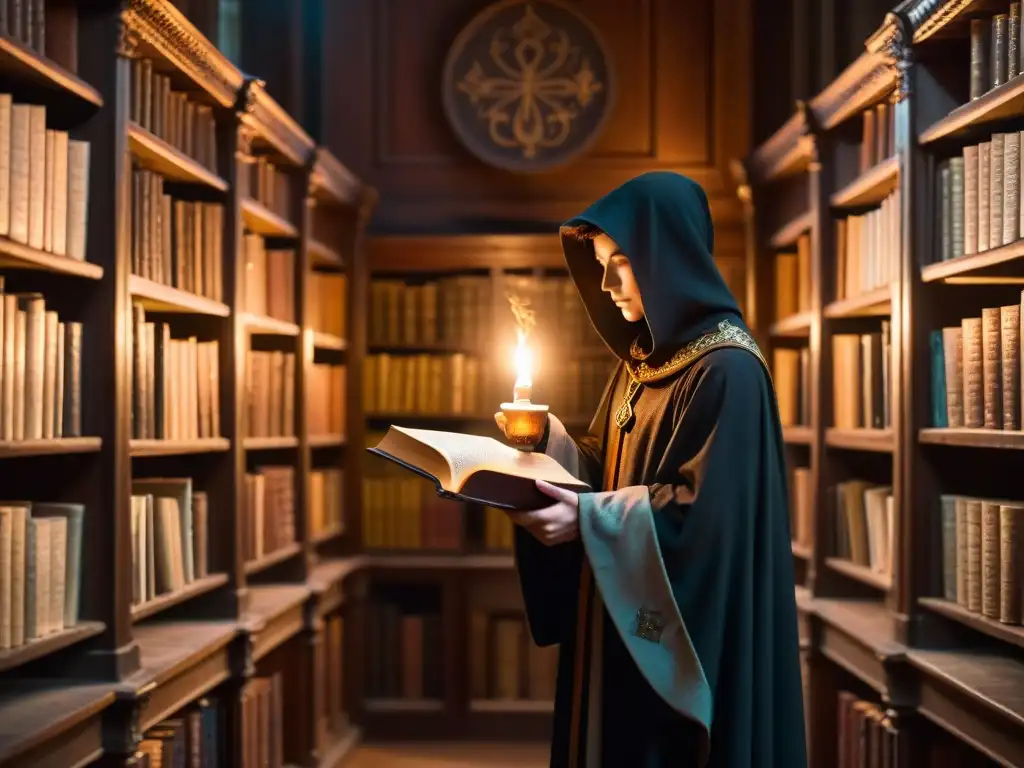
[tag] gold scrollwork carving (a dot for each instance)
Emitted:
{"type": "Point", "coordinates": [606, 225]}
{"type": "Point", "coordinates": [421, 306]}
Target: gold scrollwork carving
{"type": "Point", "coordinates": [540, 86]}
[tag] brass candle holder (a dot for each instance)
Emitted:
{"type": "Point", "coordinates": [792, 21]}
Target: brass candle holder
{"type": "Point", "coordinates": [525, 422]}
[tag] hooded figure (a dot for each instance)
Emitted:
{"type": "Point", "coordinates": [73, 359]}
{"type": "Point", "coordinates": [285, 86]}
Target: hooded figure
{"type": "Point", "coordinates": [669, 588]}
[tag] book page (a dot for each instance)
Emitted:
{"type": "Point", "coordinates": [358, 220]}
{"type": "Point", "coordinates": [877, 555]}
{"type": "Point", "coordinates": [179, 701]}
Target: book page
{"type": "Point", "coordinates": [467, 454]}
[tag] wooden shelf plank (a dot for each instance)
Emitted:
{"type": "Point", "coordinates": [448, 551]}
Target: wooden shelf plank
{"type": "Point", "coordinates": [873, 440]}
{"type": "Point", "coordinates": [259, 219]}
{"type": "Point", "coordinates": [870, 188]}
{"type": "Point", "coordinates": [44, 646]}
{"type": "Point", "coordinates": [155, 154]}
{"type": "Point", "coordinates": [19, 256]}
{"type": "Point", "coordinates": [268, 326]}
{"type": "Point", "coordinates": [180, 661]}
{"type": "Point", "coordinates": [52, 447]}
{"type": "Point", "coordinates": [326, 441]}
{"type": "Point", "coordinates": [440, 561]}
{"type": "Point", "coordinates": [274, 558]}
{"type": "Point", "coordinates": [797, 435]}
{"type": "Point", "coordinates": [1004, 101]}
{"type": "Point", "coordinates": [329, 341]}
{"type": "Point", "coordinates": [169, 600]}
{"type": "Point", "coordinates": [973, 438]}
{"type": "Point", "coordinates": [22, 64]}
{"type": "Point", "coordinates": [795, 326]}
{"type": "Point", "coordinates": [399, 706]}
{"type": "Point", "coordinates": [859, 636]}
{"type": "Point", "coordinates": [874, 303]}
{"type": "Point", "coordinates": [511, 707]}
{"type": "Point", "coordinates": [35, 715]}
{"type": "Point", "coordinates": [799, 550]}
{"type": "Point", "coordinates": [269, 443]}
{"type": "Point", "coordinates": [275, 615]}
{"type": "Point", "coordinates": [156, 297]}
{"type": "Point", "coordinates": [789, 233]}
{"type": "Point", "coordinates": [1008, 633]}
{"type": "Point", "coordinates": [976, 695]}
{"type": "Point", "coordinates": [140, 448]}
{"type": "Point", "coordinates": [996, 265]}
{"type": "Point", "coordinates": [860, 573]}
{"type": "Point", "coordinates": [322, 255]}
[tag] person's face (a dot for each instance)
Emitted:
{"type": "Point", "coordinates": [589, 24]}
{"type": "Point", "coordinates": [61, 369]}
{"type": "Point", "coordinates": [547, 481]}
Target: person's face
{"type": "Point", "coordinates": [618, 281]}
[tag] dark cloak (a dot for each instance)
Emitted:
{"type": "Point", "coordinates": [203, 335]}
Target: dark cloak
{"type": "Point", "coordinates": [675, 610]}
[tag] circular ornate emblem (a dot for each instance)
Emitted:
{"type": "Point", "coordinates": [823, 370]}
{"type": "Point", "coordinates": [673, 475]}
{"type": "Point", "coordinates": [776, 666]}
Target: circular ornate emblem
{"type": "Point", "coordinates": [527, 85]}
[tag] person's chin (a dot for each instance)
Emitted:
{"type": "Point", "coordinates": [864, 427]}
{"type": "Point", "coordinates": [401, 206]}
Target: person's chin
{"type": "Point", "coordinates": [631, 314]}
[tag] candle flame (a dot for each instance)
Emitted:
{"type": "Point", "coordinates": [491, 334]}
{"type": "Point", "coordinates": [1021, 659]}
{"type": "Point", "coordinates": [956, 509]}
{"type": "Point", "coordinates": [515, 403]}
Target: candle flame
{"type": "Point", "coordinates": [523, 361]}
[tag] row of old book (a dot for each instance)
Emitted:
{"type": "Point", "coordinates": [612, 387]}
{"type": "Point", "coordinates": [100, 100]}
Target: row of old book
{"type": "Point", "coordinates": [176, 242]}
{"type": "Point", "coordinates": [172, 116]}
{"type": "Point", "coordinates": [996, 55]}
{"type": "Point", "coordinates": [801, 508]}
{"type": "Point", "coordinates": [170, 536]}
{"type": "Point", "coordinates": [269, 393]}
{"type": "Point", "coordinates": [975, 369]}
{"type": "Point", "coordinates": [326, 394]}
{"type": "Point", "coordinates": [269, 186]}
{"type": "Point", "coordinates": [560, 318]}
{"type": "Point", "coordinates": [982, 542]}
{"type": "Point", "coordinates": [571, 389]}
{"type": "Point", "coordinates": [325, 510]}
{"type": "Point", "coordinates": [793, 280]}
{"type": "Point", "coordinates": [452, 311]}
{"type": "Point", "coordinates": [868, 249]}
{"type": "Point", "coordinates": [864, 520]}
{"type": "Point", "coordinates": [40, 370]}
{"type": "Point", "coordinates": [40, 570]}
{"type": "Point", "coordinates": [333, 661]}
{"type": "Point", "coordinates": [175, 383]}
{"type": "Point", "coordinates": [269, 279]}
{"type": "Point", "coordinates": [193, 737]}
{"type": "Point", "coordinates": [405, 651]}
{"type": "Point", "coordinates": [878, 135]}
{"type": "Point", "coordinates": [405, 513]}
{"type": "Point", "coordinates": [25, 21]}
{"type": "Point", "coordinates": [867, 738]}
{"type": "Point", "coordinates": [425, 384]}
{"type": "Point", "coordinates": [44, 182]}
{"type": "Point", "coordinates": [327, 303]}
{"type": "Point", "coordinates": [268, 522]}
{"type": "Point", "coordinates": [978, 195]}
{"type": "Point", "coordinates": [791, 374]}
{"type": "Point", "coordinates": [861, 376]}
{"type": "Point", "coordinates": [262, 722]}
{"type": "Point", "coordinates": [504, 662]}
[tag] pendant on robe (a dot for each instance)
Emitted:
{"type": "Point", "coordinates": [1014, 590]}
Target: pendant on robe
{"type": "Point", "coordinates": [625, 413]}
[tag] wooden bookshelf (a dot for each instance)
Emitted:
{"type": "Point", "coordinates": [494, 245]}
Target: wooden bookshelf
{"type": "Point", "coordinates": [894, 634]}
{"type": "Point", "coordinates": [132, 659]}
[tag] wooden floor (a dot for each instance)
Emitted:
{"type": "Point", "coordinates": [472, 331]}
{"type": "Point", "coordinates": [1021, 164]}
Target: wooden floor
{"type": "Point", "coordinates": [461, 755]}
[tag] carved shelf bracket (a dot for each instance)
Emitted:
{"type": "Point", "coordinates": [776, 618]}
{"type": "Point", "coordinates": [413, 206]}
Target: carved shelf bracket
{"type": "Point", "coordinates": [899, 51]}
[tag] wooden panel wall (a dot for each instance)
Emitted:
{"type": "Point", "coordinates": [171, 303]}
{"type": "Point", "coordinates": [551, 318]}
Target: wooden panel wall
{"type": "Point", "coordinates": [683, 104]}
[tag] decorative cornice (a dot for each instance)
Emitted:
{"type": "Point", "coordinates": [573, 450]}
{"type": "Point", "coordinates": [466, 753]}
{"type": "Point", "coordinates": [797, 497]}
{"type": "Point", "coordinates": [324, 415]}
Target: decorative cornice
{"type": "Point", "coordinates": [899, 50]}
{"type": "Point", "coordinates": [333, 180]}
{"type": "Point", "coordinates": [272, 124]}
{"type": "Point", "coordinates": [870, 77]}
{"type": "Point", "coordinates": [162, 27]}
{"type": "Point", "coordinates": [925, 18]}
{"type": "Point", "coordinates": [786, 152]}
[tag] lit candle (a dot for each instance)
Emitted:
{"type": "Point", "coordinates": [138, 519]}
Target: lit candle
{"type": "Point", "coordinates": [524, 421]}
{"type": "Point", "coordinates": [521, 390]}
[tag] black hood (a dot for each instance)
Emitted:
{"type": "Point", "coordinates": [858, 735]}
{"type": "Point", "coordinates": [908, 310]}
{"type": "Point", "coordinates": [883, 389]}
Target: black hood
{"type": "Point", "coordinates": [661, 221]}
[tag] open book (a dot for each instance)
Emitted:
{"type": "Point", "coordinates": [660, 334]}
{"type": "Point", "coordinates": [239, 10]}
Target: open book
{"type": "Point", "coordinates": [476, 469]}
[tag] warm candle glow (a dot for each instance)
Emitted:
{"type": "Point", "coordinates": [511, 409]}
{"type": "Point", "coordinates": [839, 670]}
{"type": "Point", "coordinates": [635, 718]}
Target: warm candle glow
{"type": "Point", "coordinates": [524, 365]}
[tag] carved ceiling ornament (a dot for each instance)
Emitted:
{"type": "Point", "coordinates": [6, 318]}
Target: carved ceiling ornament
{"type": "Point", "coordinates": [527, 85]}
